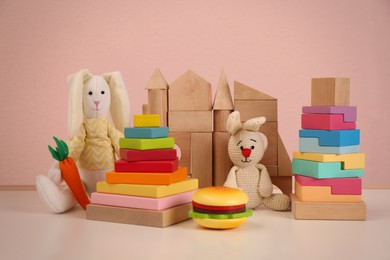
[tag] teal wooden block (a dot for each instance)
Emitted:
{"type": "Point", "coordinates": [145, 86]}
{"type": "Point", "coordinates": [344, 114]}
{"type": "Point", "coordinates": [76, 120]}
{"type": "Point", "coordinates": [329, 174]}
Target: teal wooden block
{"type": "Point", "coordinates": [333, 137]}
{"type": "Point", "coordinates": [311, 145]}
{"type": "Point", "coordinates": [146, 132]}
{"type": "Point", "coordinates": [147, 144]}
{"type": "Point", "coordinates": [323, 170]}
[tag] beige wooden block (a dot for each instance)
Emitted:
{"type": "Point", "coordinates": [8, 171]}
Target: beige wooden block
{"type": "Point", "coordinates": [221, 161]}
{"type": "Point", "coordinates": [143, 217]}
{"type": "Point", "coordinates": [190, 92]}
{"type": "Point", "coordinates": [157, 81]}
{"type": "Point", "coordinates": [272, 170]}
{"type": "Point", "coordinates": [183, 140]}
{"type": "Point", "coordinates": [145, 109]}
{"type": "Point", "coordinates": [284, 183]}
{"type": "Point", "coordinates": [284, 160]}
{"type": "Point", "coordinates": [223, 97]}
{"type": "Point", "coordinates": [190, 121]}
{"type": "Point", "coordinates": [158, 104]}
{"type": "Point", "coordinates": [202, 158]}
{"type": "Point", "coordinates": [220, 118]}
{"type": "Point", "coordinates": [328, 210]}
{"type": "Point", "coordinates": [270, 130]}
{"type": "Point", "coordinates": [242, 91]}
{"type": "Point", "coordinates": [254, 108]}
{"type": "Point", "coordinates": [330, 92]}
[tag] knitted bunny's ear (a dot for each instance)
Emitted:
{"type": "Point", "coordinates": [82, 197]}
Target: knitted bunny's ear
{"type": "Point", "coordinates": [233, 123]}
{"type": "Point", "coordinates": [75, 100]}
{"type": "Point", "coordinates": [120, 104]}
{"type": "Point", "coordinates": [254, 124]}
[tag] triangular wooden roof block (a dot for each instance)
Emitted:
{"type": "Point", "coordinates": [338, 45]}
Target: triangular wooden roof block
{"type": "Point", "coordinates": [223, 98]}
{"type": "Point", "coordinates": [190, 92]}
{"type": "Point", "coordinates": [242, 91]}
{"type": "Point", "coordinates": [157, 81]}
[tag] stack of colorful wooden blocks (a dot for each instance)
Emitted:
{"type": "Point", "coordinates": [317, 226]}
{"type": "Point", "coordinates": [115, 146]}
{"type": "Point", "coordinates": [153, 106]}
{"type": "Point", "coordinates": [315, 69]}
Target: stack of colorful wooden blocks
{"type": "Point", "coordinates": [329, 163]}
{"type": "Point", "coordinates": [147, 187]}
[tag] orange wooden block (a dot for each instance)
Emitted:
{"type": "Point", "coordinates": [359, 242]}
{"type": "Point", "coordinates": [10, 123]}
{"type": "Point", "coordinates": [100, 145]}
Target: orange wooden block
{"type": "Point", "coordinates": [322, 194]}
{"type": "Point", "coordinates": [146, 177]}
{"type": "Point", "coordinates": [143, 217]}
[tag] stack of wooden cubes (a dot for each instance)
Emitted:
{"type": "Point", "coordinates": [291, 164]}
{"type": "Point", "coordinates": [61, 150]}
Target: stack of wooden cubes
{"type": "Point", "coordinates": [329, 163]}
{"type": "Point", "coordinates": [147, 187]}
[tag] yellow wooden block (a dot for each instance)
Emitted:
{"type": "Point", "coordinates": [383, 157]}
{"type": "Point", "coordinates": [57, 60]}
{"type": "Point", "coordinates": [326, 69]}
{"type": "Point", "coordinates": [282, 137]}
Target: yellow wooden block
{"type": "Point", "coordinates": [322, 194]}
{"type": "Point", "coordinates": [151, 120]}
{"type": "Point", "coordinates": [349, 160]}
{"type": "Point", "coordinates": [151, 191]}
{"type": "Point", "coordinates": [328, 210]}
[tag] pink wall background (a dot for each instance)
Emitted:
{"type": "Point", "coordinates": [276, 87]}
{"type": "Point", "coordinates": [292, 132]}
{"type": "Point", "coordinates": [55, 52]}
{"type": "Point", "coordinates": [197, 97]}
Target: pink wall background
{"type": "Point", "coordinates": [273, 46]}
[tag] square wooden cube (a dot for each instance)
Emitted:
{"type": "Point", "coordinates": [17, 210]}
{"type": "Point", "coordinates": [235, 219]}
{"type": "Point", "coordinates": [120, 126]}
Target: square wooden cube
{"type": "Point", "coordinates": [330, 92]}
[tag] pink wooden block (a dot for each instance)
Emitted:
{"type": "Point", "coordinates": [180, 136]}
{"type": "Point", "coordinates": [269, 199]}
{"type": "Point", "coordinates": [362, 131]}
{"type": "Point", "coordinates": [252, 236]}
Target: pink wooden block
{"type": "Point", "coordinates": [147, 166]}
{"type": "Point", "coordinates": [326, 122]}
{"type": "Point", "coordinates": [349, 112]}
{"type": "Point", "coordinates": [141, 202]}
{"type": "Point", "coordinates": [339, 186]}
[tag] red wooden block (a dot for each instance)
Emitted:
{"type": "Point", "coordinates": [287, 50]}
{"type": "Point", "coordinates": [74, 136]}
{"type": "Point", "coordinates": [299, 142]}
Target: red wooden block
{"type": "Point", "coordinates": [148, 155]}
{"type": "Point", "coordinates": [339, 186]}
{"type": "Point", "coordinates": [326, 122]}
{"type": "Point", "coordinates": [147, 166]}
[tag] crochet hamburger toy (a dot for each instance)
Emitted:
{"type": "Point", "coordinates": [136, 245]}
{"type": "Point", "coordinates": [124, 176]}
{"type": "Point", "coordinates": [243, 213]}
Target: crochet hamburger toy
{"type": "Point", "coordinates": [219, 207]}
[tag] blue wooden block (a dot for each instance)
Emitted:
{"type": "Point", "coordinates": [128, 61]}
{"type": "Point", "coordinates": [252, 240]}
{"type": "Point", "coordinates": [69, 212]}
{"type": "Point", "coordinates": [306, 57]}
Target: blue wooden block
{"type": "Point", "coordinates": [146, 132]}
{"type": "Point", "coordinates": [310, 145]}
{"type": "Point", "coordinates": [323, 170]}
{"type": "Point", "coordinates": [333, 137]}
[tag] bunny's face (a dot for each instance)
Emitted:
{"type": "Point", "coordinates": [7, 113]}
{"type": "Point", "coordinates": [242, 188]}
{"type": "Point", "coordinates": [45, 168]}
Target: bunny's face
{"type": "Point", "coordinates": [246, 148]}
{"type": "Point", "coordinates": [96, 98]}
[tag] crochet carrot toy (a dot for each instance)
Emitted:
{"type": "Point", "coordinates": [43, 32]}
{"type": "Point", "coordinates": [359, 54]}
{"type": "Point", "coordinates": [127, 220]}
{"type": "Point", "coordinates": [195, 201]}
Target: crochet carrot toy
{"type": "Point", "coordinates": [69, 171]}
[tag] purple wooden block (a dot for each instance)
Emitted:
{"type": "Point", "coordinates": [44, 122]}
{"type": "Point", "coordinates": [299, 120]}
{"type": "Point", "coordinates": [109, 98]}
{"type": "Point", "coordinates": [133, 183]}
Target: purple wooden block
{"type": "Point", "coordinates": [349, 112]}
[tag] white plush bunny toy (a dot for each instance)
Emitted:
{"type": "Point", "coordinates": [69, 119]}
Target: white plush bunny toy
{"type": "Point", "coordinates": [246, 148]}
{"type": "Point", "coordinates": [94, 141]}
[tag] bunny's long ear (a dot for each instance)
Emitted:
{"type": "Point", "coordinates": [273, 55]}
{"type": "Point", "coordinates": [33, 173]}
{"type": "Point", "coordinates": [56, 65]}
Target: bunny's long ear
{"type": "Point", "coordinates": [233, 123]}
{"type": "Point", "coordinates": [75, 100]}
{"type": "Point", "coordinates": [120, 104]}
{"type": "Point", "coordinates": [254, 123]}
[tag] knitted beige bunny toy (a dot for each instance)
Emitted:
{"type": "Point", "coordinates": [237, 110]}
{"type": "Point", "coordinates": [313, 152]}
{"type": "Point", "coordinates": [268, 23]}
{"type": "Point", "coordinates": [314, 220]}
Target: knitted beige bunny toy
{"type": "Point", "coordinates": [246, 148]}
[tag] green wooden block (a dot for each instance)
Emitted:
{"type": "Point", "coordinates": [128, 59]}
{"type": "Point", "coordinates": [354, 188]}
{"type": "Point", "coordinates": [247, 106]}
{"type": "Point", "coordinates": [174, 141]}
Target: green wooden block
{"type": "Point", "coordinates": [147, 144]}
{"type": "Point", "coordinates": [323, 170]}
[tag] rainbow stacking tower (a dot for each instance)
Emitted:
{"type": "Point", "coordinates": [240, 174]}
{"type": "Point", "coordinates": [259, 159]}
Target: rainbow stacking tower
{"type": "Point", "coordinates": [147, 187]}
{"type": "Point", "coordinates": [329, 164]}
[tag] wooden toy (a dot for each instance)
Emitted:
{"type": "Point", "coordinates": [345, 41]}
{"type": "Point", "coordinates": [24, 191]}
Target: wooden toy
{"type": "Point", "coordinates": [349, 112]}
{"type": "Point", "coordinates": [325, 122]}
{"type": "Point", "coordinates": [327, 210]}
{"type": "Point", "coordinates": [152, 178]}
{"type": "Point", "coordinates": [157, 88]}
{"type": "Point", "coordinates": [202, 158]}
{"type": "Point", "coordinates": [141, 217]}
{"type": "Point", "coordinates": [190, 121]}
{"type": "Point", "coordinates": [151, 191]}
{"type": "Point", "coordinates": [310, 145]}
{"type": "Point", "coordinates": [284, 183]}
{"type": "Point", "coordinates": [330, 92]}
{"type": "Point", "coordinates": [284, 161]}
{"type": "Point", "coordinates": [349, 160]}
{"type": "Point", "coordinates": [190, 92]}
{"type": "Point", "coordinates": [219, 207]}
{"type": "Point", "coordinates": [183, 141]}
{"type": "Point", "coordinates": [221, 161]}
{"type": "Point", "coordinates": [223, 98]}
{"type": "Point", "coordinates": [254, 108]}
{"type": "Point", "coordinates": [151, 120]}
{"type": "Point", "coordinates": [146, 109]}
{"type": "Point", "coordinates": [147, 166]}
{"type": "Point", "coordinates": [323, 170]}
{"type": "Point", "coordinates": [147, 144]}
{"type": "Point", "coordinates": [339, 186]}
{"type": "Point", "coordinates": [141, 202]}
{"type": "Point", "coordinates": [147, 155]}
{"type": "Point", "coordinates": [334, 137]}
{"type": "Point", "coordinates": [270, 130]}
{"type": "Point", "coordinates": [220, 117]}
{"type": "Point", "coordinates": [243, 92]}
{"type": "Point", "coordinates": [147, 132]}
{"type": "Point", "coordinates": [322, 194]}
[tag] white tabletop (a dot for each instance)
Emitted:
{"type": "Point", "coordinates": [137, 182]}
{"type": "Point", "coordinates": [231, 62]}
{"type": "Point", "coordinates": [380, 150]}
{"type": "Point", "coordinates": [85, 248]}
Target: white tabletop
{"type": "Point", "coordinates": [29, 231]}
